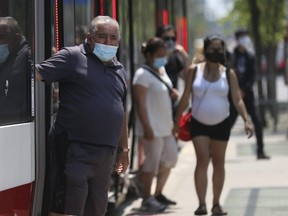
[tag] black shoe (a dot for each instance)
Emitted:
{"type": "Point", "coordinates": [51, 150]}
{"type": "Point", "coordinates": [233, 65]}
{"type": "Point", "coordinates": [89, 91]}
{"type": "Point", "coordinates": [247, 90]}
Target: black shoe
{"type": "Point", "coordinates": [261, 156]}
{"type": "Point", "coordinates": [201, 210]}
{"type": "Point", "coordinates": [217, 210]}
{"type": "Point", "coordinates": [164, 200]}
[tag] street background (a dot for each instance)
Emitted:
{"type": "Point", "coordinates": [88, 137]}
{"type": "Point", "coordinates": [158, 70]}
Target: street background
{"type": "Point", "coordinates": [252, 187]}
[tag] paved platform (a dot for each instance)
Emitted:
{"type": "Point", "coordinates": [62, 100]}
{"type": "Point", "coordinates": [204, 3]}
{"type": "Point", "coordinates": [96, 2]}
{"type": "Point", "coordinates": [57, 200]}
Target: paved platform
{"type": "Point", "coordinates": [252, 187]}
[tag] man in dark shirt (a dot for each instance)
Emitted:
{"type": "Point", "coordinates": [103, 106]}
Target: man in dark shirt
{"type": "Point", "coordinates": [15, 73]}
{"type": "Point", "coordinates": [91, 121]}
{"type": "Point", "coordinates": [244, 63]}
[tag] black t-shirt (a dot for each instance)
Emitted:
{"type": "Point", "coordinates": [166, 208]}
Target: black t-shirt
{"type": "Point", "coordinates": [244, 63]}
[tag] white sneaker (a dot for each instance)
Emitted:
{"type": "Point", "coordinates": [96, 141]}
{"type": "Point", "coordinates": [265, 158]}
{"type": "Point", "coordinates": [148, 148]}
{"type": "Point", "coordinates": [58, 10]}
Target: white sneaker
{"type": "Point", "coordinates": [152, 205]}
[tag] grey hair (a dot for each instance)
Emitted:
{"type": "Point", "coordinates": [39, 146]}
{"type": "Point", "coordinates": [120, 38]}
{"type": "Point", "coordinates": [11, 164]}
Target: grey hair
{"type": "Point", "coordinates": [103, 20]}
{"type": "Point", "coordinates": [11, 25]}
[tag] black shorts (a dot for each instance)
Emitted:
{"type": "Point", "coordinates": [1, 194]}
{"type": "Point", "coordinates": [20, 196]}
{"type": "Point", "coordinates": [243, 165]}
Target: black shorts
{"type": "Point", "coordinates": [82, 177]}
{"type": "Point", "coordinates": [219, 131]}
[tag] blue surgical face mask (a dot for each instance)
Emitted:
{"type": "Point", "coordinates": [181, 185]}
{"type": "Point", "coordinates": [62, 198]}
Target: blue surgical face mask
{"type": "Point", "coordinates": [170, 44]}
{"type": "Point", "coordinates": [4, 52]}
{"type": "Point", "coordinates": [105, 52]}
{"type": "Point", "coordinates": [160, 62]}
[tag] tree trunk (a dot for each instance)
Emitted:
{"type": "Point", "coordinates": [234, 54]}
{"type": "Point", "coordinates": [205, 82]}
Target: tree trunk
{"type": "Point", "coordinates": [271, 85]}
{"type": "Point", "coordinates": [255, 16]}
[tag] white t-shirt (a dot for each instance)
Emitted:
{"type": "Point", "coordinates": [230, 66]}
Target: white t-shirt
{"type": "Point", "coordinates": [158, 103]}
{"type": "Point", "coordinates": [212, 107]}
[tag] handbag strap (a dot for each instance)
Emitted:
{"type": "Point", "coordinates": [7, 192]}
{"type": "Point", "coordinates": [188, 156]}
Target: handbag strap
{"type": "Point", "coordinates": [227, 71]}
{"type": "Point", "coordinates": [201, 99]}
{"type": "Point", "coordinates": [146, 67]}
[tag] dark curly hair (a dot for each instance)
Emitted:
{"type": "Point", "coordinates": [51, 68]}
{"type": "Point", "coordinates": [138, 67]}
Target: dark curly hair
{"type": "Point", "coordinates": [152, 45]}
{"type": "Point", "coordinates": [165, 28]}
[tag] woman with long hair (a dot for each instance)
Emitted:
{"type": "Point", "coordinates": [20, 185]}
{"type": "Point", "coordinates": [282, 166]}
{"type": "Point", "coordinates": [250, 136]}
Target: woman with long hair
{"type": "Point", "coordinates": [210, 124]}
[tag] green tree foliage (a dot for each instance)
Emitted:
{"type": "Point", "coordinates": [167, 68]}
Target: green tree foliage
{"type": "Point", "coordinates": [266, 22]}
{"type": "Point", "coordinates": [272, 19]}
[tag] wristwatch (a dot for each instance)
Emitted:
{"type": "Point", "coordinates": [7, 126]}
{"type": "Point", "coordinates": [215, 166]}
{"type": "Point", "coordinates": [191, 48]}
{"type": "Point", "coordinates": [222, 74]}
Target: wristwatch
{"type": "Point", "coordinates": [122, 149]}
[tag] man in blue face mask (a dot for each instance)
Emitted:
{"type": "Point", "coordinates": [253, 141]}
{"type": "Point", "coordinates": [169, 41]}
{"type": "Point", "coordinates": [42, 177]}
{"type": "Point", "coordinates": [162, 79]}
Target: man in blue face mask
{"type": "Point", "coordinates": [104, 40]}
{"type": "Point", "coordinates": [15, 73]}
{"type": "Point", "coordinates": [91, 121]}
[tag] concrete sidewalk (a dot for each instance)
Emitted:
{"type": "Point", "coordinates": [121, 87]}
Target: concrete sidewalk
{"type": "Point", "coordinates": [252, 187]}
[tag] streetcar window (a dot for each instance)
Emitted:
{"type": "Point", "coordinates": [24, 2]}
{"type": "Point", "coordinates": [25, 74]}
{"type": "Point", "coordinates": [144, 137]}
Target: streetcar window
{"type": "Point", "coordinates": [83, 16]}
{"type": "Point", "coordinates": [15, 62]}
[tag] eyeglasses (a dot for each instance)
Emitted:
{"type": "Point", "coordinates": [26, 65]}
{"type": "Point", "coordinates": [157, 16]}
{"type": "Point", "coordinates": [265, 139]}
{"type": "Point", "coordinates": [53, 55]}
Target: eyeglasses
{"type": "Point", "coordinates": [211, 49]}
{"type": "Point", "coordinates": [167, 38]}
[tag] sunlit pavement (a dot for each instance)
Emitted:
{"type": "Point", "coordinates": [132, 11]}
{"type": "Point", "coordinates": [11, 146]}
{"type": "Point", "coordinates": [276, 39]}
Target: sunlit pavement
{"type": "Point", "coordinates": [252, 187]}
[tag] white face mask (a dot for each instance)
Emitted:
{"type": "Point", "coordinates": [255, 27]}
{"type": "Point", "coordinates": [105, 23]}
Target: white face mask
{"type": "Point", "coordinates": [4, 52]}
{"type": "Point", "coordinates": [105, 52]}
{"type": "Point", "coordinates": [245, 41]}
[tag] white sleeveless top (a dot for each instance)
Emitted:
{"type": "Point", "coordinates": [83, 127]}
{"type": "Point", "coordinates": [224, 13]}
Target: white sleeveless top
{"type": "Point", "coordinates": [210, 104]}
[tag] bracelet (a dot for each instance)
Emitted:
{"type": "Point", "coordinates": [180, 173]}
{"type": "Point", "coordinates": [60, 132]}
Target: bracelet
{"type": "Point", "coordinates": [123, 149]}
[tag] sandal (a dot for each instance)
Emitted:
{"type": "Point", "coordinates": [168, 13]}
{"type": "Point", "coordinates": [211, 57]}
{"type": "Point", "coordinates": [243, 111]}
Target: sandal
{"type": "Point", "coordinates": [217, 210]}
{"type": "Point", "coordinates": [201, 210]}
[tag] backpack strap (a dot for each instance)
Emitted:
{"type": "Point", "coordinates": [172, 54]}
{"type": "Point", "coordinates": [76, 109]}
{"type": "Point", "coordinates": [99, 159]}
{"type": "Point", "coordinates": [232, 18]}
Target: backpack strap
{"type": "Point", "coordinates": [228, 75]}
{"type": "Point", "coordinates": [194, 76]}
{"type": "Point", "coordinates": [228, 80]}
{"type": "Point", "coordinates": [233, 109]}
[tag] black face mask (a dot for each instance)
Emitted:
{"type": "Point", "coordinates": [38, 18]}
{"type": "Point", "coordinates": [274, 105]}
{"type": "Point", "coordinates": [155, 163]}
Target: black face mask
{"type": "Point", "coordinates": [215, 56]}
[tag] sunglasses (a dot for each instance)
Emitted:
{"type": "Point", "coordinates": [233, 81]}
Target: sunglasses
{"type": "Point", "coordinates": [167, 38]}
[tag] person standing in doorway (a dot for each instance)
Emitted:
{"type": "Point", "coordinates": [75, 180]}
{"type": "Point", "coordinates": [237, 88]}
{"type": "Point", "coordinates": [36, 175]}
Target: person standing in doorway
{"type": "Point", "coordinates": [90, 129]}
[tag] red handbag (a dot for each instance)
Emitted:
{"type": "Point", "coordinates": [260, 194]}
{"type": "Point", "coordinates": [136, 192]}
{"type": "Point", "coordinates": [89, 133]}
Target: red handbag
{"type": "Point", "coordinates": [184, 126]}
